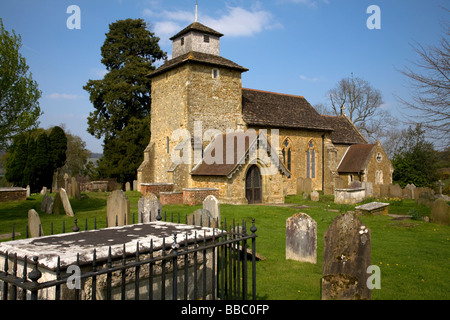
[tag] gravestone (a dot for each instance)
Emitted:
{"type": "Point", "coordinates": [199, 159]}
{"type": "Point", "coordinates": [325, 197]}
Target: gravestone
{"type": "Point", "coordinates": [34, 223]}
{"type": "Point", "coordinates": [346, 257]}
{"type": "Point", "coordinates": [315, 196]}
{"type": "Point", "coordinates": [148, 206]}
{"type": "Point", "coordinates": [395, 191]}
{"type": "Point", "coordinates": [440, 212]}
{"type": "Point", "coordinates": [75, 189]}
{"type": "Point", "coordinates": [202, 218]}
{"type": "Point", "coordinates": [384, 191]}
{"type": "Point", "coordinates": [28, 191]}
{"type": "Point", "coordinates": [213, 206]}
{"type": "Point", "coordinates": [300, 185]}
{"type": "Point", "coordinates": [43, 191]}
{"type": "Point", "coordinates": [355, 184]}
{"type": "Point", "coordinates": [57, 204]}
{"type": "Point", "coordinates": [66, 181]}
{"type": "Point", "coordinates": [307, 185]}
{"type": "Point", "coordinates": [301, 238]}
{"type": "Point", "coordinates": [49, 206]}
{"type": "Point", "coordinates": [117, 209]}
{"type": "Point", "coordinates": [135, 185]}
{"type": "Point", "coordinates": [44, 202]}
{"type": "Point", "coordinates": [368, 186]}
{"type": "Point", "coordinates": [127, 186]}
{"type": "Point", "coordinates": [66, 203]}
{"type": "Point", "coordinates": [411, 187]}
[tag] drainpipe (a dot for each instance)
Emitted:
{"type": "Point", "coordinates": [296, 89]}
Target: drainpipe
{"type": "Point", "coordinates": [323, 163]}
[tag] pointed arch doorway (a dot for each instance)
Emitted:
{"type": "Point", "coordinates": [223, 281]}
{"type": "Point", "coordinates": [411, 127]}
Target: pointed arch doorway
{"type": "Point", "coordinates": [253, 185]}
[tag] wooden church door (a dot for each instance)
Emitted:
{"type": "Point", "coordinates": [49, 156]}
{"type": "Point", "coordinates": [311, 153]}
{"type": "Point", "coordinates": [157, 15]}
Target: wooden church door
{"type": "Point", "coordinates": [253, 185]}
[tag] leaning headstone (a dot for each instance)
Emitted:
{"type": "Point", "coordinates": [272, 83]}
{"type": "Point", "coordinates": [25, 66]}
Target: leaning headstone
{"type": "Point", "coordinates": [440, 212]}
{"type": "Point", "coordinates": [314, 196]}
{"type": "Point", "coordinates": [34, 224]}
{"type": "Point", "coordinates": [117, 209]}
{"type": "Point", "coordinates": [346, 257]}
{"type": "Point", "coordinates": [148, 206]}
{"type": "Point", "coordinates": [301, 238]}
{"type": "Point", "coordinates": [203, 218]}
{"type": "Point", "coordinates": [66, 203]}
{"type": "Point", "coordinates": [213, 206]}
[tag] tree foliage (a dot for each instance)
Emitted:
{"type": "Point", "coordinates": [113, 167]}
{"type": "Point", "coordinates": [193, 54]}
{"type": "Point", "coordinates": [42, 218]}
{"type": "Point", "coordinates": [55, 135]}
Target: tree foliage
{"type": "Point", "coordinates": [362, 105]}
{"type": "Point", "coordinates": [415, 159]}
{"type": "Point", "coordinates": [122, 99]}
{"type": "Point", "coordinates": [19, 93]}
{"type": "Point", "coordinates": [128, 53]}
{"type": "Point", "coordinates": [430, 89]}
{"type": "Point", "coordinates": [34, 156]}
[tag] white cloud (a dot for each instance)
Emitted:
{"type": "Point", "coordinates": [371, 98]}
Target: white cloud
{"type": "Point", "coordinates": [235, 22]}
{"type": "Point", "coordinates": [99, 72]}
{"type": "Point", "coordinates": [303, 77]}
{"type": "Point", "coordinates": [64, 96]}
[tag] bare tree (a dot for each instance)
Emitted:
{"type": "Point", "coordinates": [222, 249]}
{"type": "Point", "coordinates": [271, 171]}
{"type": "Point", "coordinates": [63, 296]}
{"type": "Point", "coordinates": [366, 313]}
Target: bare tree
{"type": "Point", "coordinates": [362, 103]}
{"type": "Point", "coordinates": [430, 89]}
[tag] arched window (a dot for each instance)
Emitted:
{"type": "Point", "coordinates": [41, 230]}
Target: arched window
{"type": "Point", "coordinates": [311, 161]}
{"type": "Point", "coordinates": [287, 154]}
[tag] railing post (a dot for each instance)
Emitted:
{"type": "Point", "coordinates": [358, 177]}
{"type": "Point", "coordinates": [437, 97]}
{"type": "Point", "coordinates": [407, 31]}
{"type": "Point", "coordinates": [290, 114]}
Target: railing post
{"type": "Point", "coordinates": [34, 276]}
{"type": "Point", "coordinates": [253, 229]}
{"type": "Point", "coordinates": [175, 247]}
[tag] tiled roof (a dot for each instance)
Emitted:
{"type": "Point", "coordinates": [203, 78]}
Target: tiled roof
{"type": "Point", "coordinates": [344, 132]}
{"type": "Point", "coordinates": [228, 143]}
{"type": "Point", "coordinates": [356, 158]}
{"type": "Point", "coordinates": [197, 26]}
{"type": "Point", "coordinates": [197, 57]}
{"type": "Point", "coordinates": [262, 108]}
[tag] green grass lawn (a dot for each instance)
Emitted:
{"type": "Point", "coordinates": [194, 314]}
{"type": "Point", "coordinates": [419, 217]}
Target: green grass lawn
{"type": "Point", "coordinates": [414, 256]}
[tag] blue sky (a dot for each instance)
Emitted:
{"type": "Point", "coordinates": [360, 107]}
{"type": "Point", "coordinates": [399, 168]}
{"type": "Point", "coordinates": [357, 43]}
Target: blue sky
{"type": "Point", "coordinates": [301, 47]}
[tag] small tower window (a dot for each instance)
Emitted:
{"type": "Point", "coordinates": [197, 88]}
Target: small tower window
{"type": "Point", "coordinates": [311, 161]}
{"type": "Point", "coordinates": [215, 73]}
{"type": "Point", "coordinates": [206, 38]}
{"type": "Point", "coordinates": [182, 41]}
{"type": "Point", "coordinates": [379, 157]}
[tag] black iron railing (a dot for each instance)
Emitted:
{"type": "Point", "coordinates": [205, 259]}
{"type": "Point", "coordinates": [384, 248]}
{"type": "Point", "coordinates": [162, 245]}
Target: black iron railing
{"type": "Point", "coordinates": [179, 269]}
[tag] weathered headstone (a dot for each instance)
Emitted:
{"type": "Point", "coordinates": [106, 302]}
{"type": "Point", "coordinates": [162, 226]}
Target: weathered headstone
{"type": "Point", "coordinates": [34, 224]}
{"type": "Point", "coordinates": [203, 218]}
{"type": "Point", "coordinates": [355, 184]}
{"type": "Point", "coordinates": [314, 196]}
{"type": "Point", "coordinates": [66, 203]}
{"type": "Point", "coordinates": [117, 209]}
{"type": "Point", "coordinates": [75, 189]}
{"type": "Point", "coordinates": [346, 257]}
{"type": "Point", "coordinates": [307, 185]}
{"type": "Point", "coordinates": [43, 191]}
{"type": "Point", "coordinates": [135, 185]}
{"type": "Point", "coordinates": [300, 185]}
{"type": "Point", "coordinates": [440, 212]}
{"type": "Point", "coordinates": [127, 186]}
{"type": "Point", "coordinates": [49, 206]}
{"type": "Point", "coordinates": [301, 238]}
{"type": "Point", "coordinates": [213, 206]}
{"type": "Point", "coordinates": [148, 206]}
{"type": "Point", "coordinates": [384, 190]}
{"type": "Point", "coordinates": [28, 191]}
{"type": "Point", "coordinates": [57, 204]}
{"type": "Point", "coordinates": [44, 202]}
{"type": "Point", "coordinates": [368, 186]}
{"type": "Point", "coordinates": [395, 191]}
{"type": "Point", "coordinates": [66, 181]}
{"type": "Point", "coordinates": [424, 197]}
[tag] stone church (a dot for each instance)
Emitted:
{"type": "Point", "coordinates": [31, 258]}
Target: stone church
{"type": "Point", "coordinates": [248, 145]}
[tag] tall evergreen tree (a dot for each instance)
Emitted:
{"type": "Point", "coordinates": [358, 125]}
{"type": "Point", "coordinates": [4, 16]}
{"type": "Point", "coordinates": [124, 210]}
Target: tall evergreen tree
{"type": "Point", "coordinates": [17, 160]}
{"type": "Point", "coordinates": [123, 96]}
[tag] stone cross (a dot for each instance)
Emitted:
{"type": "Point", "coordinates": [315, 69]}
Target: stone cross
{"type": "Point", "coordinates": [301, 238]}
{"type": "Point", "coordinates": [346, 257]}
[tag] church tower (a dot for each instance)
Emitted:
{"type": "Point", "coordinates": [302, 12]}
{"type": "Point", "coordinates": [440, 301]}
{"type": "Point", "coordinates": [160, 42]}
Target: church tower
{"type": "Point", "coordinates": [196, 87]}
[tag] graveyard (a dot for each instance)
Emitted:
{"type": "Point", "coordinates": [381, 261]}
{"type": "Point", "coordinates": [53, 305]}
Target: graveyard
{"type": "Point", "coordinates": [413, 255]}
